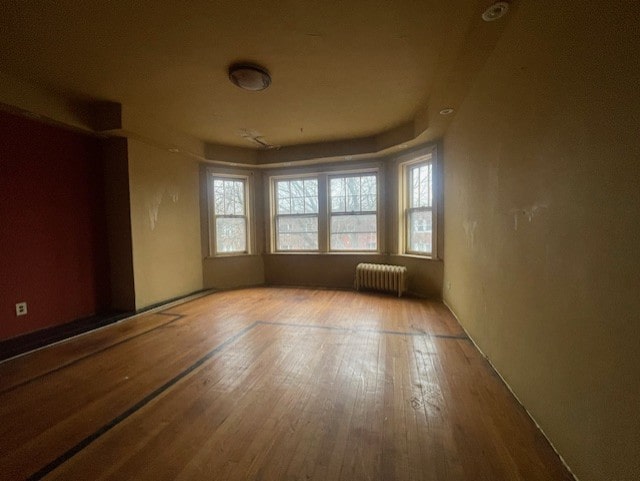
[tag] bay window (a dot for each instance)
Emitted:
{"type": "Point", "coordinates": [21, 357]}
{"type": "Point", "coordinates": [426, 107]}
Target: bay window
{"type": "Point", "coordinates": [325, 212]}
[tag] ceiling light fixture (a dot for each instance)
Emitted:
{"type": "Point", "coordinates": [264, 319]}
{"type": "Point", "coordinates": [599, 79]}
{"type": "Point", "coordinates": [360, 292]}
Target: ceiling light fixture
{"type": "Point", "coordinates": [249, 76]}
{"type": "Point", "coordinates": [447, 111]}
{"type": "Point", "coordinates": [495, 11]}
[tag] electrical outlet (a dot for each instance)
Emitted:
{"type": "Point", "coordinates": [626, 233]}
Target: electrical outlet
{"type": "Point", "coordinates": [21, 309]}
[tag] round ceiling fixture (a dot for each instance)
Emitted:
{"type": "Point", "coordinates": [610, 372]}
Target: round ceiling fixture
{"type": "Point", "coordinates": [495, 11]}
{"type": "Point", "coordinates": [249, 76]}
{"type": "Point", "coordinates": [447, 111]}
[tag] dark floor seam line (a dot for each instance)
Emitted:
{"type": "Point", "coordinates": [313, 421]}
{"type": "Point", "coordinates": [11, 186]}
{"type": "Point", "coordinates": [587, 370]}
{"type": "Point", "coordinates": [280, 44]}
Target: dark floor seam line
{"type": "Point", "coordinates": [309, 326]}
{"type": "Point", "coordinates": [75, 361]}
{"type": "Point", "coordinates": [348, 329]}
{"type": "Point", "coordinates": [136, 407]}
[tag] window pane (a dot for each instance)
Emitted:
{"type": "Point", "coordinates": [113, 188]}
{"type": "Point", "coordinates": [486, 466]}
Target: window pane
{"type": "Point", "coordinates": [368, 185]}
{"type": "Point", "coordinates": [218, 197]}
{"type": "Point", "coordinates": [368, 202]}
{"type": "Point", "coordinates": [337, 187]}
{"type": "Point", "coordinates": [311, 196]}
{"type": "Point", "coordinates": [297, 205]}
{"type": "Point", "coordinates": [297, 188]}
{"type": "Point", "coordinates": [284, 206]}
{"type": "Point", "coordinates": [311, 205]}
{"type": "Point", "coordinates": [297, 233]}
{"type": "Point", "coordinates": [353, 185]}
{"type": "Point", "coordinates": [337, 204]}
{"type": "Point", "coordinates": [421, 186]}
{"type": "Point", "coordinates": [353, 203]}
{"type": "Point", "coordinates": [353, 193]}
{"type": "Point", "coordinates": [238, 198]}
{"type": "Point", "coordinates": [354, 232]}
{"type": "Point", "coordinates": [282, 189]}
{"type": "Point", "coordinates": [297, 196]}
{"type": "Point", "coordinates": [283, 199]}
{"type": "Point", "coordinates": [231, 234]}
{"type": "Point", "coordinates": [425, 186]}
{"type": "Point", "coordinates": [311, 187]}
{"type": "Point", "coordinates": [228, 197]}
{"type": "Point", "coordinates": [229, 207]}
{"type": "Point", "coordinates": [415, 187]}
{"type": "Point", "coordinates": [420, 231]}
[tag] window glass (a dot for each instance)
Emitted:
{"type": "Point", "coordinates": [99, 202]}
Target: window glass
{"type": "Point", "coordinates": [354, 218]}
{"type": "Point", "coordinates": [420, 182]}
{"type": "Point", "coordinates": [418, 207]}
{"type": "Point", "coordinates": [420, 231]}
{"type": "Point", "coordinates": [231, 234]}
{"type": "Point", "coordinates": [354, 232]}
{"type": "Point", "coordinates": [229, 215]}
{"type": "Point", "coordinates": [296, 221]}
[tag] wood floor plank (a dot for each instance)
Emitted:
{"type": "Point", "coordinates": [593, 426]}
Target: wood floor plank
{"type": "Point", "coordinates": [270, 383]}
{"type": "Point", "coordinates": [44, 361]}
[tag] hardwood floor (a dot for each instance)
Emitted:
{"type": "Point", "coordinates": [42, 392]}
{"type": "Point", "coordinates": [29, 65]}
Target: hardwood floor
{"type": "Point", "coordinates": [269, 384]}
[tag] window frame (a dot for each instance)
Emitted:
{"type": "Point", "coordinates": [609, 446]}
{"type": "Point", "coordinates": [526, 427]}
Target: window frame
{"type": "Point", "coordinates": [405, 169]}
{"type": "Point", "coordinates": [212, 216]}
{"type": "Point", "coordinates": [324, 217]}
{"type": "Point", "coordinates": [275, 216]}
{"type": "Point", "coordinates": [331, 214]}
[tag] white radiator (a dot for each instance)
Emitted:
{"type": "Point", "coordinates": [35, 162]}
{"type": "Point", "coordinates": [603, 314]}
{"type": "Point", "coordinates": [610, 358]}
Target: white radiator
{"type": "Point", "coordinates": [382, 277]}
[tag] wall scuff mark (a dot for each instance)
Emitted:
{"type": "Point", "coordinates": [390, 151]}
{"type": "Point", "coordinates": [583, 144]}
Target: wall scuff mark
{"type": "Point", "coordinates": [470, 232]}
{"type": "Point", "coordinates": [527, 212]}
{"type": "Point", "coordinates": [153, 205]}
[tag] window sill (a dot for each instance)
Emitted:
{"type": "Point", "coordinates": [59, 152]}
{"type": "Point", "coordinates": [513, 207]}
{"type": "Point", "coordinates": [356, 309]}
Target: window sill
{"type": "Point", "coordinates": [417, 256]}
{"type": "Point", "coordinates": [334, 253]}
{"type": "Point", "coordinates": [227, 256]}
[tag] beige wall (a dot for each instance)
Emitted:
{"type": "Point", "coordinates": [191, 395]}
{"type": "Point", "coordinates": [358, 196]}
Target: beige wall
{"type": "Point", "coordinates": [314, 270]}
{"type": "Point", "coordinates": [424, 275]}
{"type": "Point", "coordinates": [338, 270]}
{"type": "Point", "coordinates": [165, 224]}
{"type": "Point", "coordinates": [233, 272]}
{"type": "Point", "coordinates": [542, 225]}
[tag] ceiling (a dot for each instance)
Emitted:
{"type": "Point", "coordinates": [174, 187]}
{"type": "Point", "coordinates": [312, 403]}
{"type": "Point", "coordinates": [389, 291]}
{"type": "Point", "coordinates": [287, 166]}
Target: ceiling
{"type": "Point", "coordinates": [340, 69]}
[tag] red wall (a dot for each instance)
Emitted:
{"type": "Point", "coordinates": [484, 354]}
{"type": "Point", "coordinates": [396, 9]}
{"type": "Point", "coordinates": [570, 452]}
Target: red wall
{"type": "Point", "coordinates": [53, 248]}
